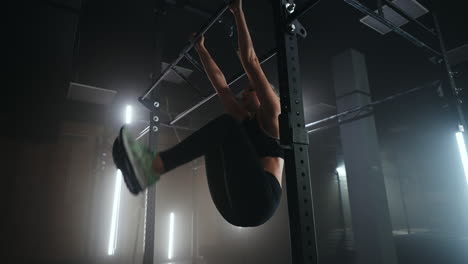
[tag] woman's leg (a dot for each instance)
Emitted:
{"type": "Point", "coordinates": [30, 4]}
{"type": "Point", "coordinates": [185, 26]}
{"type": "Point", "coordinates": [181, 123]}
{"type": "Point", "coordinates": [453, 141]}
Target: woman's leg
{"type": "Point", "coordinates": [242, 191]}
{"type": "Point", "coordinates": [217, 184]}
{"type": "Point", "coordinates": [207, 138]}
{"type": "Point", "coordinates": [240, 188]}
{"type": "Point", "coordinates": [139, 166]}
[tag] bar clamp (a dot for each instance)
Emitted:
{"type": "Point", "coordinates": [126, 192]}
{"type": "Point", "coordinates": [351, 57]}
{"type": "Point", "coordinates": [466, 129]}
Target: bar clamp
{"type": "Point", "coordinates": [294, 26]}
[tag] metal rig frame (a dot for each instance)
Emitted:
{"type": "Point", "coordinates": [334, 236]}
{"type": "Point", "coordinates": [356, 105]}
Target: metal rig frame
{"type": "Point", "coordinates": [294, 136]}
{"type": "Point", "coordinates": [293, 132]}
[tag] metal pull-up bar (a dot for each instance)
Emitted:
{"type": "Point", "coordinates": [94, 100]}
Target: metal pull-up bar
{"type": "Point", "coordinates": [239, 76]}
{"type": "Point", "coordinates": [185, 53]}
{"type": "Point", "coordinates": [434, 84]}
{"type": "Point", "coordinates": [185, 50]}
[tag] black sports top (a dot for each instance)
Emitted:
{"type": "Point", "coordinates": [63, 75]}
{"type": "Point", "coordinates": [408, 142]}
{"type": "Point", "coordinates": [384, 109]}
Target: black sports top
{"type": "Point", "coordinates": [265, 145]}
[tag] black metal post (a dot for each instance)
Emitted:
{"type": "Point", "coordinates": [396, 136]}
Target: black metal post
{"type": "Point", "coordinates": [454, 93]}
{"type": "Point", "coordinates": [76, 44]}
{"type": "Point", "coordinates": [148, 254]}
{"type": "Point", "coordinates": [294, 134]}
{"type": "Point", "coordinates": [150, 199]}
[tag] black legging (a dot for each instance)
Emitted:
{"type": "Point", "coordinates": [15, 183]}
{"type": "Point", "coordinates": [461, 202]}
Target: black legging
{"type": "Point", "coordinates": [243, 192]}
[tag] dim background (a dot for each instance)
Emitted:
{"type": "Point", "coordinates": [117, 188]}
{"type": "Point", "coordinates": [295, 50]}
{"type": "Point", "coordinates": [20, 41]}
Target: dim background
{"type": "Point", "coordinates": [58, 175]}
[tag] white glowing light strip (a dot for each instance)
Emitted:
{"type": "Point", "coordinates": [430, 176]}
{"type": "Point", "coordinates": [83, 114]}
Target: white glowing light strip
{"type": "Point", "coordinates": [341, 171]}
{"type": "Point", "coordinates": [144, 221]}
{"type": "Point", "coordinates": [171, 236]}
{"type": "Point", "coordinates": [463, 154]}
{"type": "Point", "coordinates": [119, 189]}
{"type": "Point", "coordinates": [115, 215]}
{"type": "Point", "coordinates": [128, 114]}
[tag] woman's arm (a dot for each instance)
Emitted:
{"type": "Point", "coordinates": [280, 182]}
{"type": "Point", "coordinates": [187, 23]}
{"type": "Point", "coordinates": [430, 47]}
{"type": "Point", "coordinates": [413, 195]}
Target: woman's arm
{"type": "Point", "coordinates": [217, 79]}
{"type": "Point", "coordinates": [268, 98]}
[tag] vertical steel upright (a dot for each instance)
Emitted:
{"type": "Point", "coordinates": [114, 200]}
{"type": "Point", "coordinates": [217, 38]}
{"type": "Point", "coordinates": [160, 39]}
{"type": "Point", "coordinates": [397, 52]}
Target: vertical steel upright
{"type": "Point", "coordinates": [150, 221]}
{"type": "Point", "coordinates": [293, 134]}
{"type": "Point", "coordinates": [148, 251]}
{"type": "Point", "coordinates": [453, 92]}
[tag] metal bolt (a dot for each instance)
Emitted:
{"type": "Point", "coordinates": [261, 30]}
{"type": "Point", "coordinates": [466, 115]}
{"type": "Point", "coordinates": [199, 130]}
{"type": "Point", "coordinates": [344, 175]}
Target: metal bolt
{"type": "Point", "coordinates": [155, 128]}
{"type": "Point", "coordinates": [453, 73]}
{"type": "Point", "coordinates": [290, 7]}
{"type": "Point", "coordinates": [155, 118]}
{"type": "Point", "coordinates": [156, 104]}
{"type": "Point", "coordinates": [292, 28]}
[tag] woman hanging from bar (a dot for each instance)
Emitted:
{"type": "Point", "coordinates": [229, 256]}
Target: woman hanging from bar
{"type": "Point", "coordinates": [244, 160]}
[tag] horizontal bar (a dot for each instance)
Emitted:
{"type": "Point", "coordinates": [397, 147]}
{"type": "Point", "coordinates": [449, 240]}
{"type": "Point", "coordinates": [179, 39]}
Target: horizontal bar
{"type": "Point", "coordinates": [188, 111]}
{"type": "Point", "coordinates": [268, 56]}
{"type": "Point", "coordinates": [186, 49]}
{"type": "Point", "coordinates": [386, 99]}
{"type": "Point", "coordinates": [392, 26]}
{"type": "Point", "coordinates": [341, 122]}
{"type": "Point", "coordinates": [146, 129]}
{"type": "Point", "coordinates": [405, 15]}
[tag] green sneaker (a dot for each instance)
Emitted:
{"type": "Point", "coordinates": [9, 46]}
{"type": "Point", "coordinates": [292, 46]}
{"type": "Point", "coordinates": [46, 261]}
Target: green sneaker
{"type": "Point", "coordinates": [141, 160]}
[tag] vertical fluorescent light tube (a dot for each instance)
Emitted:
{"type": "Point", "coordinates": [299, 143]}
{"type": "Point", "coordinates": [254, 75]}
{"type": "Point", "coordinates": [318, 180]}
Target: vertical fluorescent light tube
{"type": "Point", "coordinates": [171, 236]}
{"type": "Point", "coordinates": [116, 204]}
{"type": "Point", "coordinates": [128, 114]}
{"type": "Point", "coordinates": [144, 222]}
{"type": "Point", "coordinates": [341, 171]}
{"type": "Point", "coordinates": [115, 214]}
{"type": "Point", "coordinates": [463, 154]}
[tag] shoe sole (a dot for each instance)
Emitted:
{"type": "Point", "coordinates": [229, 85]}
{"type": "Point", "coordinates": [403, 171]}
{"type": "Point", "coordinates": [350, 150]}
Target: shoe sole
{"type": "Point", "coordinates": [137, 172]}
{"type": "Point", "coordinates": [123, 163]}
